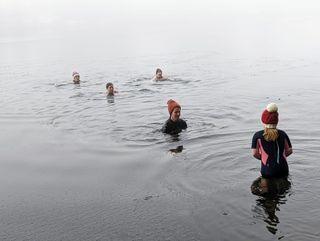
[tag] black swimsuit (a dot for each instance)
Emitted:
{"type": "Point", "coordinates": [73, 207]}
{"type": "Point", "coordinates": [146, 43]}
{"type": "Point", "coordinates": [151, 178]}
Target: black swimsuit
{"type": "Point", "coordinates": [174, 127]}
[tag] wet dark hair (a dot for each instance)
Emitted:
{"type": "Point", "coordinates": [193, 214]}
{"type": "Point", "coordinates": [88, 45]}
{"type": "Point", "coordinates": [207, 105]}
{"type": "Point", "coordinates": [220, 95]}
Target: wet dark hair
{"type": "Point", "coordinates": [158, 70]}
{"type": "Point", "coordinates": [108, 84]}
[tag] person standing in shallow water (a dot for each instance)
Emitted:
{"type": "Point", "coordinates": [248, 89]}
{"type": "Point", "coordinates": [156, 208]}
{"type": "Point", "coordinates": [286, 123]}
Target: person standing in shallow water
{"type": "Point", "coordinates": [174, 124]}
{"type": "Point", "coordinates": [76, 77]}
{"type": "Point", "coordinates": [271, 145]}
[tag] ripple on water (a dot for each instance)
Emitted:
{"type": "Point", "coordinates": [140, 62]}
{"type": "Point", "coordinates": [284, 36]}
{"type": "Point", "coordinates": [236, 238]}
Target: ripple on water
{"type": "Point", "coordinates": [133, 182]}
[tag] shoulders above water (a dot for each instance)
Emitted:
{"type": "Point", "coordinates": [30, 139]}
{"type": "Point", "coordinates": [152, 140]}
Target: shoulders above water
{"type": "Point", "coordinates": [171, 127]}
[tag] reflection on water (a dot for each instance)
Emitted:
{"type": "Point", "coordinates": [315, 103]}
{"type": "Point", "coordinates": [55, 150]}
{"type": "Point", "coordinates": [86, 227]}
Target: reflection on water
{"type": "Point", "coordinates": [173, 137]}
{"type": "Point", "coordinates": [99, 154]}
{"type": "Point", "coordinates": [271, 194]}
{"type": "Point", "coordinates": [110, 98]}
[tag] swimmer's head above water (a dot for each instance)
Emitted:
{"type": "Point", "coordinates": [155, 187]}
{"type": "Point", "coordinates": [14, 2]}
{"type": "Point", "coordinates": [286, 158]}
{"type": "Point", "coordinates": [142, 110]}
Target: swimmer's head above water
{"type": "Point", "coordinates": [158, 75]}
{"type": "Point", "coordinates": [76, 77]}
{"type": "Point", "coordinates": [174, 110]}
{"type": "Point", "coordinates": [109, 88]}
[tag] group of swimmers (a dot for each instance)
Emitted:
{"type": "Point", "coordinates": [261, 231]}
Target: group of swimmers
{"type": "Point", "coordinates": [271, 146]}
{"type": "Point", "coordinates": [109, 86]}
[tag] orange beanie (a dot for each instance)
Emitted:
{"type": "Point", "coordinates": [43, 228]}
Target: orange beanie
{"type": "Point", "coordinates": [171, 105]}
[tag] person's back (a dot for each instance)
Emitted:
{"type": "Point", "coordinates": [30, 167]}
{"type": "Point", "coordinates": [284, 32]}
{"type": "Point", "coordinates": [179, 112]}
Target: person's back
{"type": "Point", "coordinates": [271, 145]}
{"type": "Point", "coordinates": [272, 153]}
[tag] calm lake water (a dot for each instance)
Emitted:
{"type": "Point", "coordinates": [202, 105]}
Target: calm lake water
{"type": "Point", "coordinates": [76, 165]}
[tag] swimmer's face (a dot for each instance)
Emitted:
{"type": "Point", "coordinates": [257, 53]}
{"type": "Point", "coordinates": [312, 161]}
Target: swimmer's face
{"type": "Point", "coordinates": [110, 89]}
{"type": "Point", "coordinates": [175, 115]}
{"type": "Point", "coordinates": [76, 79]}
{"type": "Point", "coordinates": [159, 74]}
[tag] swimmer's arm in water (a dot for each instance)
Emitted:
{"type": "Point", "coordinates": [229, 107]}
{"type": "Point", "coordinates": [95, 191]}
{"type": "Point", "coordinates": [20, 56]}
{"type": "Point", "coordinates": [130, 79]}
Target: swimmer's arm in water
{"type": "Point", "coordinates": [154, 78]}
{"type": "Point", "coordinates": [255, 153]}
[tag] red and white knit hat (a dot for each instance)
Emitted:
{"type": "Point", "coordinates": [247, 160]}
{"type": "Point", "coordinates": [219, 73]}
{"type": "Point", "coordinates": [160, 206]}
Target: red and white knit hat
{"type": "Point", "coordinates": [270, 116]}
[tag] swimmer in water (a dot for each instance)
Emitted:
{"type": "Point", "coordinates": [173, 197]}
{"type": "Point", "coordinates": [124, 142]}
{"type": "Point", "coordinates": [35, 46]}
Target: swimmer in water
{"type": "Point", "coordinates": [109, 88]}
{"type": "Point", "coordinates": [174, 124]}
{"type": "Point", "coordinates": [271, 146]}
{"type": "Point", "coordinates": [76, 77]}
{"type": "Point", "coordinates": [159, 76]}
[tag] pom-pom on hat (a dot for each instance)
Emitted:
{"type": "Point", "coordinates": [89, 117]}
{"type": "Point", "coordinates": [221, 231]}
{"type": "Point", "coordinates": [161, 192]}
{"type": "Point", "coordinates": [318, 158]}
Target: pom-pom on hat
{"type": "Point", "coordinates": [171, 105]}
{"type": "Point", "coordinates": [270, 116]}
{"type": "Point", "coordinates": [75, 73]}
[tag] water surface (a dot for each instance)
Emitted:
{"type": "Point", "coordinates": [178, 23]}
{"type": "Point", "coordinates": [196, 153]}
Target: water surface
{"type": "Point", "coordinates": [76, 165]}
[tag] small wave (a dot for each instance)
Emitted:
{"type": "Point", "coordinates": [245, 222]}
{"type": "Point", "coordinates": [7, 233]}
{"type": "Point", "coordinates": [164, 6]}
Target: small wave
{"type": "Point", "coordinates": [61, 85]}
{"type": "Point", "coordinates": [141, 79]}
{"type": "Point", "coordinates": [145, 90]}
{"type": "Point", "coordinates": [77, 95]}
{"type": "Point", "coordinates": [182, 81]}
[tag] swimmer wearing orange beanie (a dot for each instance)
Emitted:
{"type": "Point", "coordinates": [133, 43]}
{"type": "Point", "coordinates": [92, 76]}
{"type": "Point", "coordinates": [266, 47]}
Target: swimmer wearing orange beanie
{"type": "Point", "coordinates": [174, 124]}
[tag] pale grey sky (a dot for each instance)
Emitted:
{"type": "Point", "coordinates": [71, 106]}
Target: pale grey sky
{"type": "Point", "coordinates": [18, 16]}
{"type": "Point", "coordinates": [294, 22]}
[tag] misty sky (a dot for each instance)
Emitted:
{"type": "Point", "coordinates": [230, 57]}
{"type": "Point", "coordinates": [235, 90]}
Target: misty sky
{"type": "Point", "coordinates": [288, 23]}
{"type": "Point", "coordinates": [20, 17]}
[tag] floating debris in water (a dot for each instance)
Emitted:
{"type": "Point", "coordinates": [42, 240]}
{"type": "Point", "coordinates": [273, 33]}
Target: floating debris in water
{"type": "Point", "coordinates": [148, 197]}
{"type": "Point", "coordinates": [177, 150]}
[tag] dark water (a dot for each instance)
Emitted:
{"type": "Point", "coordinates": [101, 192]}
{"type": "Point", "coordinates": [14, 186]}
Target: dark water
{"type": "Point", "coordinates": [76, 165]}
